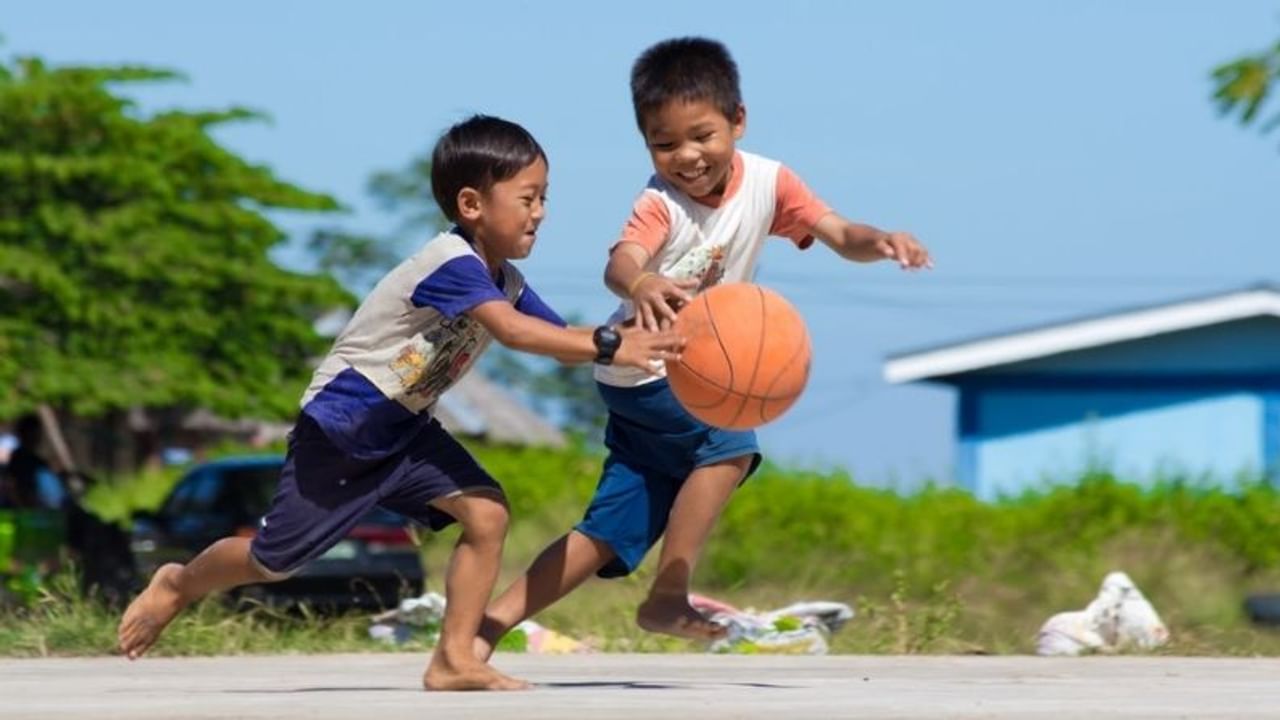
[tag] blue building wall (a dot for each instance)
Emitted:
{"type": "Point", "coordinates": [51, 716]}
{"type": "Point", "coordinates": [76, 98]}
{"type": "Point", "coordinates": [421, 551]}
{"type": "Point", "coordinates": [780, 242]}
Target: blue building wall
{"type": "Point", "coordinates": [1032, 438]}
{"type": "Point", "coordinates": [1203, 402]}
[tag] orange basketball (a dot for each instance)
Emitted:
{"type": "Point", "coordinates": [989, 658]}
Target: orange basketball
{"type": "Point", "coordinates": [747, 357]}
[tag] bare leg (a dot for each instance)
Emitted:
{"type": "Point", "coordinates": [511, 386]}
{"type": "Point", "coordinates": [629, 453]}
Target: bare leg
{"type": "Point", "coordinates": [698, 505]}
{"type": "Point", "coordinates": [558, 570]}
{"type": "Point", "coordinates": [473, 570]}
{"type": "Point", "coordinates": [221, 566]}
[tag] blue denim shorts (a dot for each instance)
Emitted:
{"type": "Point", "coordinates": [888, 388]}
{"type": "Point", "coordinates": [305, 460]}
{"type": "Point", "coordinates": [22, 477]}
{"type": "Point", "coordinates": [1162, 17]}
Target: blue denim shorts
{"type": "Point", "coordinates": [654, 444]}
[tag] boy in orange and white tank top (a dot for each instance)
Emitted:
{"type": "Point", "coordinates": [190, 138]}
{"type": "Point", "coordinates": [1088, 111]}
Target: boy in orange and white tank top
{"type": "Point", "coordinates": [701, 220]}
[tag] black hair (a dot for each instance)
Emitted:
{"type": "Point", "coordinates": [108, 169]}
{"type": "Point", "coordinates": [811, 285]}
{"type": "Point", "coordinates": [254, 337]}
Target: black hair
{"type": "Point", "coordinates": [28, 429]}
{"type": "Point", "coordinates": [688, 69]}
{"type": "Point", "coordinates": [477, 153]}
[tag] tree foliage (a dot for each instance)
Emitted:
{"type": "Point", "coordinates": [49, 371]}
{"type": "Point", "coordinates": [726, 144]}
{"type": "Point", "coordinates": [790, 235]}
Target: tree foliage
{"type": "Point", "coordinates": [1244, 86]}
{"type": "Point", "coordinates": [361, 259]}
{"type": "Point", "coordinates": [134, 267]}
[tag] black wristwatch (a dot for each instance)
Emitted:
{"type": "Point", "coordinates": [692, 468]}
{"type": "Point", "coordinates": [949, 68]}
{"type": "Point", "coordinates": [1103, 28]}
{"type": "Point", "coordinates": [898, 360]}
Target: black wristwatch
{"type": "Point", "coordinates": [607, 342]}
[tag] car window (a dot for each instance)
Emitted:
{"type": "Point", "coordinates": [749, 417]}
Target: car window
{"type": "Point", "coordinates": [243, 494]}
{"type": "Point", "coordinates": [179, 496]}
{"type": "Point", "coordinates": [205, 493]}
{"type": "Point", "coordinates": [250, 490]}
{"type": "Point", "coordinates": [194, 493]}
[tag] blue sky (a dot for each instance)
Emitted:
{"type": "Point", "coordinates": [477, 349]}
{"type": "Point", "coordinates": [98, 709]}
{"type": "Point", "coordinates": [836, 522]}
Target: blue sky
{"type": "Point", "coordinates": [1059, 158]}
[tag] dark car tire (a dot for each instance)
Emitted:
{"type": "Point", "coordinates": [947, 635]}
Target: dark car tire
{"type": "Point", "coordinates": [1263, 609]}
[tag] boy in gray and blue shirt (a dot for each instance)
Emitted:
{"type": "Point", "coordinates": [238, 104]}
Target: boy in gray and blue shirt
{"type": "Point", "coordinates": [366, 435]}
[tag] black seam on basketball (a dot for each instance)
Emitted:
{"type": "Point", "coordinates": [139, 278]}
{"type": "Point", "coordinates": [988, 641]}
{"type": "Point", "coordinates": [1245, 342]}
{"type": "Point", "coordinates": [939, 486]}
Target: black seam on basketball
{"type": "Point", "coordinates": [804, 343]}
{"type": "Point", "coordinates": [755, 368]}
{"type": "Point", "coordinates": [724, 351]}
{"type": "Point", "coordinates": [707, 381]}
{"type": "Point", "coordinates": [765, 398]}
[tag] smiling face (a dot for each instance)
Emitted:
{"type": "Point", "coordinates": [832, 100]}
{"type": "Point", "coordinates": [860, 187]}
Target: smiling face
{"type": "Point", "coordinates": [692, 145]}
{"type": "Point", "coordinates": [504, 219]}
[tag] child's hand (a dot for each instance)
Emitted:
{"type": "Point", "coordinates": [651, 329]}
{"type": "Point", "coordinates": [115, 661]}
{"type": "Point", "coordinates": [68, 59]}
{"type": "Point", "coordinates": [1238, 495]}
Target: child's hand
{"type": "Point", "coordinates": [643, 349]}
{"type": "Point", "coordinates": [905, 249]}
{"type": "Point", "coordinates": [657, 298]}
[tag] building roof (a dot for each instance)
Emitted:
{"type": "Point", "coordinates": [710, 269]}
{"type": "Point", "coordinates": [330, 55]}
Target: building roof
{"type": "Point", "coordinates": [474, 407]}
{"type": "Point", "coordinates": [1082, 333]}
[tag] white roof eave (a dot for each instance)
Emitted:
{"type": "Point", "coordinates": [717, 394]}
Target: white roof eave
{"type": "Point", "coordinates": [1067, 337]}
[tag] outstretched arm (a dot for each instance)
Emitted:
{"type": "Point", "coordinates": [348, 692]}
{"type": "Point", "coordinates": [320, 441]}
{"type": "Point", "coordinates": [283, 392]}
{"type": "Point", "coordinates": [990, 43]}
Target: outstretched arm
{"type": "Point", "coordinates": [864, 243]}
{"type": "Point", "coordinates": [529, 334]}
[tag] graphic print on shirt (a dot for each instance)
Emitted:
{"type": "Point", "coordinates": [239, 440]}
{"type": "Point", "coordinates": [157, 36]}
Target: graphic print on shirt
{"type": "Point", "coordinates": [704, 263]}
{"type": "Point", "coordinates": [435, 359]}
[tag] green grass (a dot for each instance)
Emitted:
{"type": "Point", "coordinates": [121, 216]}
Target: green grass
{"type": "Point", "coordinates": [62, 623]}
{"type": "Point", "coordinates": [931, 572]}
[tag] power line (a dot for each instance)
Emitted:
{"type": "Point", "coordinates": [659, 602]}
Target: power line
{"type": "Point", "coordinates": [932, 294]}
{"type": "Point", "coordinates": [817, 296]}
{"type": "Point", "coordinates": [1012, 281]}
{"type": "Point", "coordinates": [934, 279]}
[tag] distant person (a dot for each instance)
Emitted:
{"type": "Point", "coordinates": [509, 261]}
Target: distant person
{"type": "Point", "coordinates": [701, 221]}
{"type": "Point", "coordinates": [366, 435]}
{"type": "Point", "coordinates": [7, 443]}
{"type": "Point", "coordinates": [100, 549]}
{"type": "Point", "coordinates": [32, 482]}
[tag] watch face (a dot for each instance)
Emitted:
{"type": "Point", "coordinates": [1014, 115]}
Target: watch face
{"type": "Point", "coordinates": [604, 336]}
{"type": "Point", "coordinates": [607, 341]}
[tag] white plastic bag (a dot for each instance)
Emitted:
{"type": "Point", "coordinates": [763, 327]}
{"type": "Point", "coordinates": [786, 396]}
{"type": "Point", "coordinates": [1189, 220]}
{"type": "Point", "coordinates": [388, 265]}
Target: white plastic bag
{"type": "Point", "coordinates": [1119, 618]}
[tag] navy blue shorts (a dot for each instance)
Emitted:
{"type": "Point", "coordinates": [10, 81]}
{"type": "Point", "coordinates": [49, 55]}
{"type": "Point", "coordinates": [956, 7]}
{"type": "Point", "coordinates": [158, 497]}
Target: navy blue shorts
{"type": "Point", "coordinates": [323, 491]}
{"type": "Point", "coordinates": [654, 444]}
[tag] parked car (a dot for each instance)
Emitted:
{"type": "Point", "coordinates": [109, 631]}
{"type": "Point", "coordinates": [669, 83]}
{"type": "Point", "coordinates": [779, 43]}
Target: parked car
{"type": "Point", "coordinates": [373, 567]}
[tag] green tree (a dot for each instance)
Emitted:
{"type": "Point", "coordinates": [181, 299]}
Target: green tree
{"type": "Point", "coordinates": [358, 259]}
{"type": "Point", "coordinates": [134, 267]}
{"type": "Point", "coordinates": [1243, 87]}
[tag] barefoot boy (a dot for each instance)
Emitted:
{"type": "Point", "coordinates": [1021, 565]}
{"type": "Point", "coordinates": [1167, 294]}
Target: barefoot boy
{"type": "Point", "coordinates": [701, 221]}
{"type": "Point", "coordinates": [366, 435]}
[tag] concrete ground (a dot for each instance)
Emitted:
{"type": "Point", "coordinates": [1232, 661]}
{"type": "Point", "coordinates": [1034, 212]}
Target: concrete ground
{"type": "Point", "coordinates": [704, 687]}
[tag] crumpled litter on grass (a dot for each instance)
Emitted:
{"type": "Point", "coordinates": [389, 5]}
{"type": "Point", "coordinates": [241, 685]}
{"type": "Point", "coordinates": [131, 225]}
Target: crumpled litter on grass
{"type": "Point", "coordinates": [801, 628]}
{"type": "Point", "coordinates": [1119, 619]}
{"type": "Point", "coordinates": [413, 615]}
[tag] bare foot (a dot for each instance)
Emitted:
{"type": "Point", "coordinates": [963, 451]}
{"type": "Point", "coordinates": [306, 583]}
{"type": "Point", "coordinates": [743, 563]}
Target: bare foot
{"type": "Point", "coordinates": [468, 674]}
{"type": "Point", "coordinates": [672, 615]}
{"type": "Point", "coordinates": [149, 613]}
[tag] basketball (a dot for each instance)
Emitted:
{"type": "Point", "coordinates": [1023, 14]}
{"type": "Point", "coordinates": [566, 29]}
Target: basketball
{"type": "Point", "coordinates": [746, 359]}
